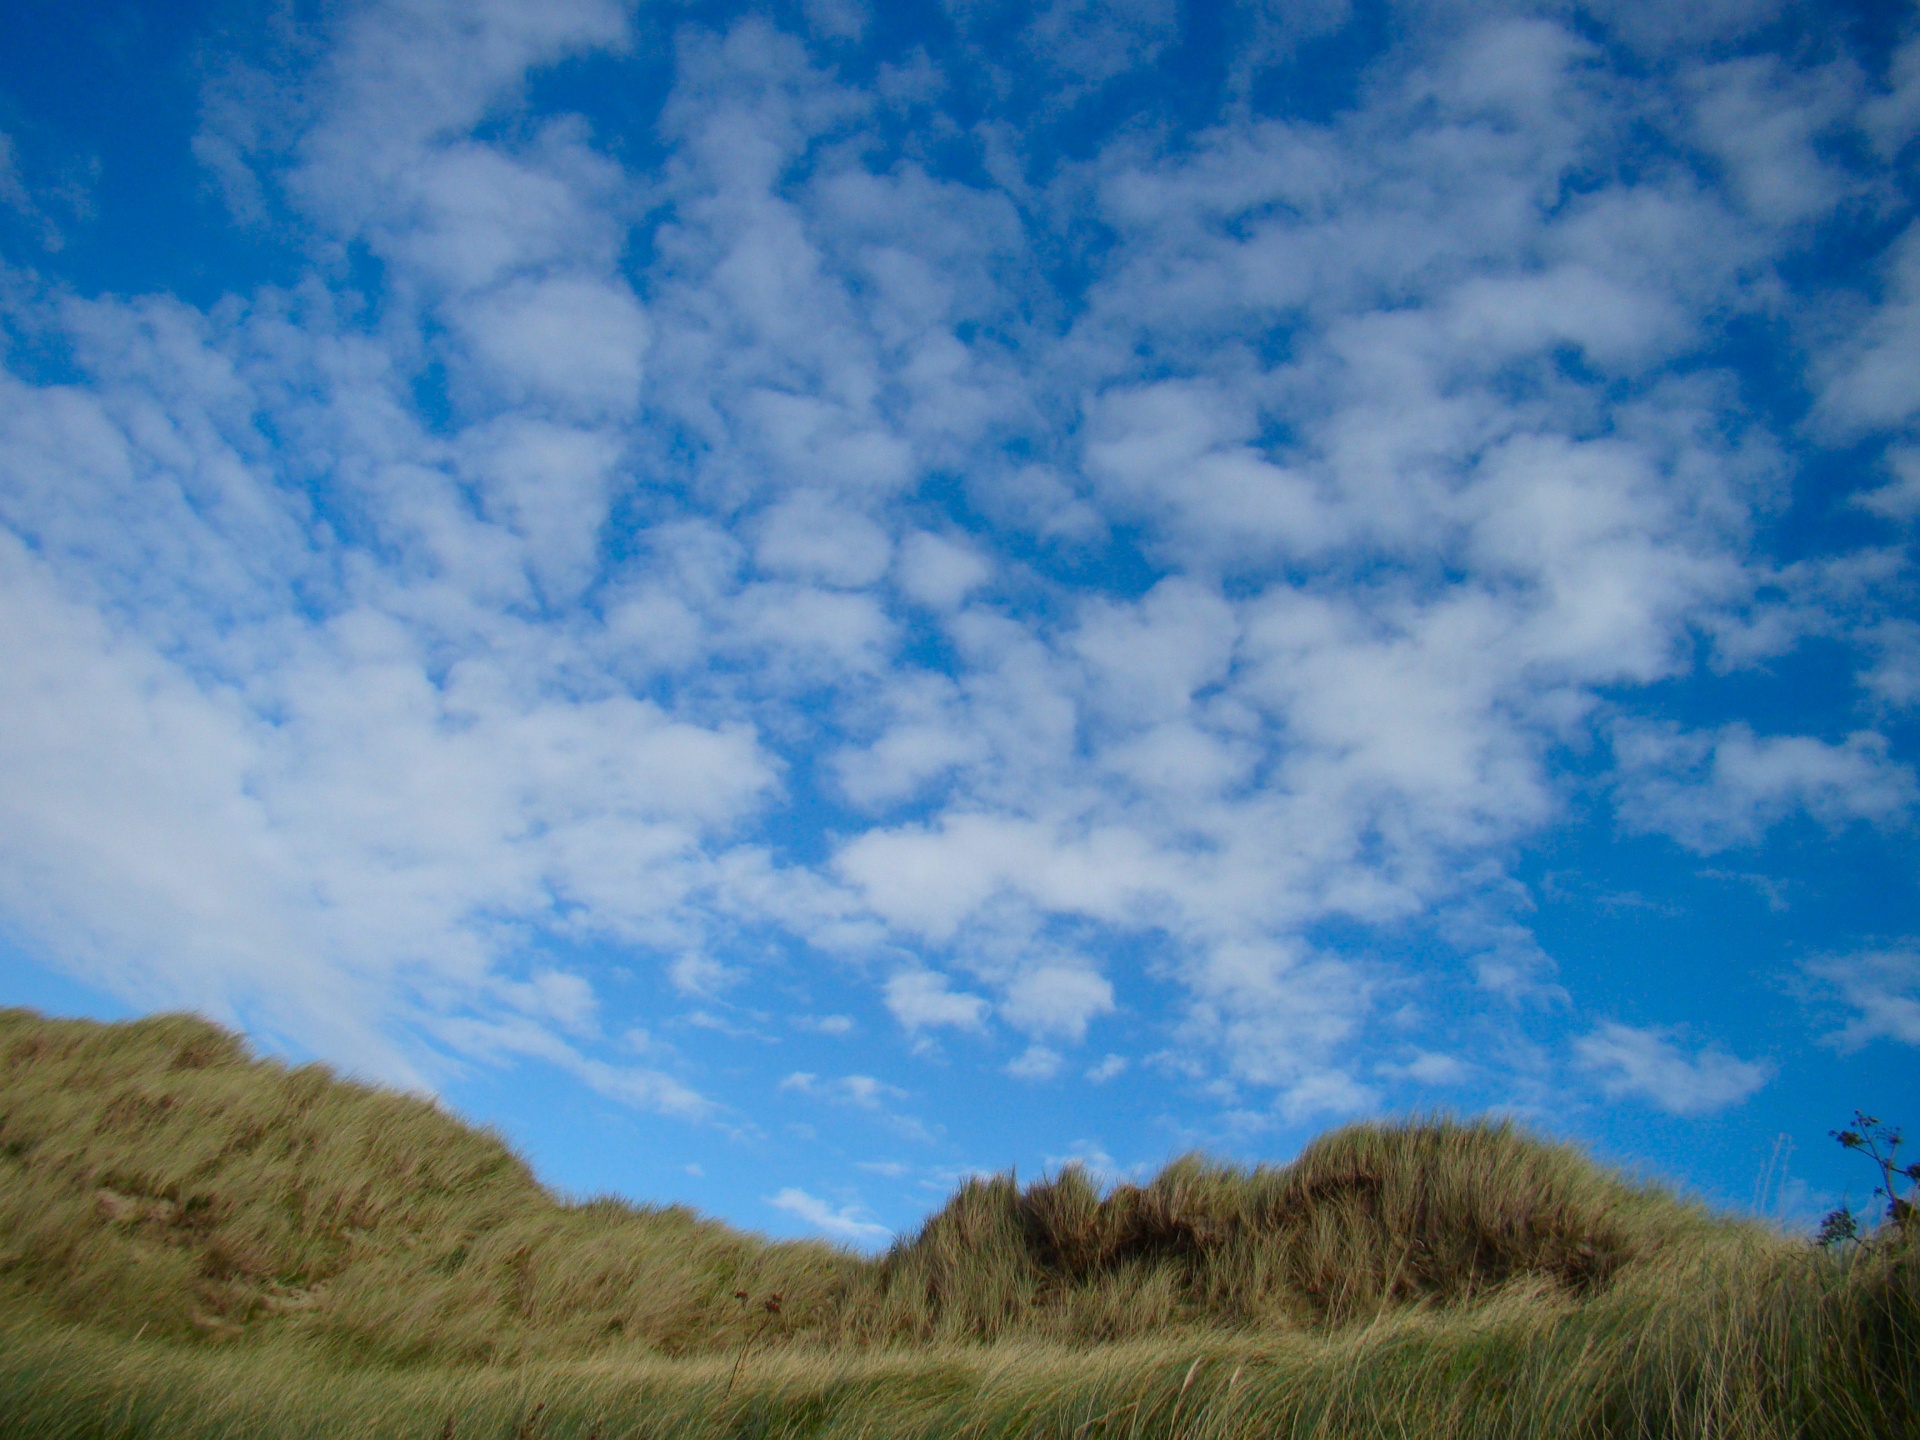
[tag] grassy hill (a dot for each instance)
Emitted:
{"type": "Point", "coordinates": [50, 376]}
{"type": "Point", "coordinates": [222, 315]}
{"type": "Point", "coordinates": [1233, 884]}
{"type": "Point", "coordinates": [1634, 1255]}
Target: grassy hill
{"type": "Point", "coordinates": [197, 1242]}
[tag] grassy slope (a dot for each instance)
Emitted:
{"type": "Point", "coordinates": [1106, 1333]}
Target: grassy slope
{"type": "Point", "coordinates": [195, 1242]}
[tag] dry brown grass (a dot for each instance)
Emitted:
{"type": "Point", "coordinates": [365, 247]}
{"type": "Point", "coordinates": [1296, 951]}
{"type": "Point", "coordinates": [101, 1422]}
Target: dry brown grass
{"type": "Point", "coordinates": [194, 1242]}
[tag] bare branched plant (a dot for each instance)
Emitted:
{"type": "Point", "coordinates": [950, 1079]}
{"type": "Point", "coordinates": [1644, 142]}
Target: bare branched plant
{"type": "Point", "coordinates": [1881, 1144]}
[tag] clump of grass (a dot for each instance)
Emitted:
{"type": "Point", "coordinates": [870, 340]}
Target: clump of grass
{"type": "Point", "coordinates": [155, 1177]}
{"type": "Point", "coordinates": [234, 1248]}
{"type": "Point", "coordinates": [1369, 1216]}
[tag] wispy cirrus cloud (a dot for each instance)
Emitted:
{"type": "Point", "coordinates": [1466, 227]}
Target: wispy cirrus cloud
{"type": "Point", "coordinates": [844, 1222]}
{"type": "Point", "coordinates": [1882, 990]}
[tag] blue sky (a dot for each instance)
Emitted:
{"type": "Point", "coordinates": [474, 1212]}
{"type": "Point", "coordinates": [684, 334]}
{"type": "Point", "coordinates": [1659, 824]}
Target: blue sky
{"type": "Point", "coordinates": [791, 602]}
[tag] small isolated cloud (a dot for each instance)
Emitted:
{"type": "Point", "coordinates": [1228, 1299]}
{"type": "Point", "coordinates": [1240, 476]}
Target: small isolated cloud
{"type": "Point", "coordinates": [1325, 1093]}
{"type": "Point", "coordinates": [862, 1091]}
{"type": "Point", "coordinates": [1036, 1062]}
{"type": "Point", "coordinates": [1107, 1069]}
{"type": "Point", "coordinates": [1429, 1067]}
{"type": "Point", "coordinates": [849, 1222]}
{"type": "Point", "coordinates": [1646, 1064]}
{"type": "Point", "coordinates": [1883, 989]}
{"type": "Point", "coordinates": [835, 1025]}
{"type": "Point", "coordinates": [920, 1000]}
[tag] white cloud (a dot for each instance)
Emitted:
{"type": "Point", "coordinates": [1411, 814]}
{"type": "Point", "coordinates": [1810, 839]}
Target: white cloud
{"type": "Point", "coordinates": [1428, 1067]}
{"type": "Point", "coordinates": [1648, 1065]}
{"type": "Point", "coordinates": [1057, 1000]}
{"type": "Point", "coordinates": [1325, 1093]}
{"type": "Point", "coordinates": [840, 19]}
{"type": "Point", "coordinates": [846, 1223]}
{"type": "Point", "coordinates": [698, 974]}
{"type": "Point", "coordinates": [1036, 1062]}
{"type": "Point", "coordinates": [921, 1000]}
{"type": "Point", "coordinates": [1899, 498]}
{"type": "Point", "coordinates": [931, 880]}
{"type": "Point", "coordinates": [835, 1025]}
{"type": "Point", "coordinates": [1883, 989]}
{"type": "Point", "coordinates": [1872, 375]}
{"type": "Point", "coordinates": [1763, 123]}
{"type": "Point", "coordinates": [551, 484]}
{"type": "Point", "coordinates": [1276, 28]}
{"type": "Point", "coordinates": [354, 709]}
{"type": "Point", "coordinates": [1894, 676]}
{"type": "Point", "coordinates": [15, 196]}
{"type": "Point", "coordinates": [566, 999]}
{"type": "Point", "coordinates": [940, 572]}
{"type": "Point", "coordinates": [861, 1091]}
{"type": "Point", "coordinates": [1714, 791]}
{"type": "Point", "coordinates": [923, 735]}
{"type": "Point", "coordinates": [1688, 26]}
{"type": "Point", "coordinates": [1892, 117]}
{"type": "Point", "coordinates": [1094, 41]}
{"type": "Point", "coordinates": [807, 536]}
{"type": "Point", "coordinates": [522, 1036]}
{"type": "Point", "coordinates": [573, 344]}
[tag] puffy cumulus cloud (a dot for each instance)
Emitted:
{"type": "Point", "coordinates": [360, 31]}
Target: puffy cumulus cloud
{"type": "Point", "coordinates": [401, 86]}
{"type": "Point", "coordinates": [1056, 1000]}
{"type": "Point", "coordinates": [574, 345]}
{"type": "Point", "coordinates": [923, 999]}
{"type": "Point", "coordinates": [1649, 1065]}
{"type": "Point", "coordinates": [806, 535]}
{"type": "Point", "coordinates": [1199, 547]}
{"type": "Point", "coordinates": [940, 572]}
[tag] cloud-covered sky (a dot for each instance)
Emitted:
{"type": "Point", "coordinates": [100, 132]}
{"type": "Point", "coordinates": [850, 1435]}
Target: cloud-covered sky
{"type": "Point", "coordinates": [791, 601]}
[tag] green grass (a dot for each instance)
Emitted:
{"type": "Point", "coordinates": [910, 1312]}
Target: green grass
{"type": "Point", "coordinates": [197, 1243]}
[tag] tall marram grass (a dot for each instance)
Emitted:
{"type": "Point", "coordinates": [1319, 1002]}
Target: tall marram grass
{"type": "Point", "coordinates": [196, 1243]}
